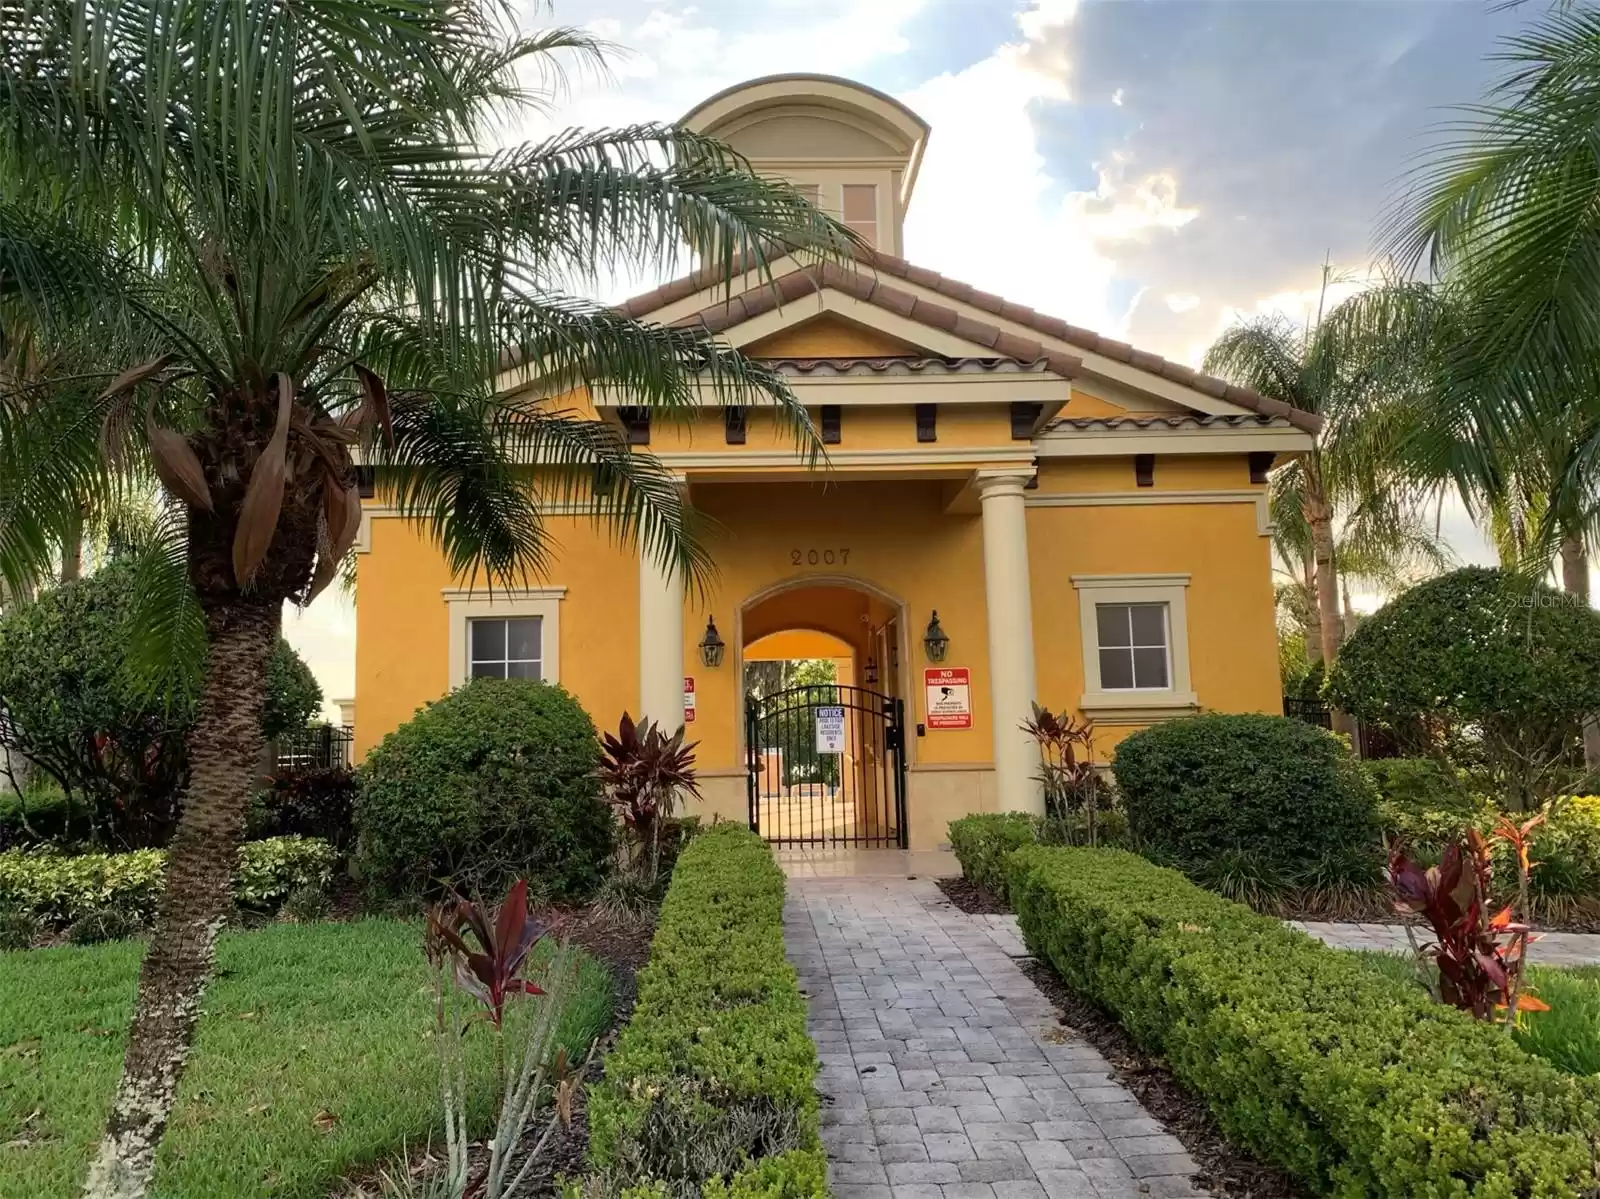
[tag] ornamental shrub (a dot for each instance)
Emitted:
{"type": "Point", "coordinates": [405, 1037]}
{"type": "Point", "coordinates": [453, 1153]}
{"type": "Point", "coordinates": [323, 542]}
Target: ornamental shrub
{"type": "Point", "coordinates": [1280, 798]}
{"type": "Point", "coordinates": [72, 709]}
{"type": "Point", "coordinates": [716, 1053]}
{"type": "Point", "coordinates": [1507, 664]}
{"type": "Point", "coordinates": [494, 782]}
{"type": "Point", "coordinates": [1357, 1083]}
{"type": "Point", "coordinates": [61, 889]}
{"type": "Point", "coordinates": [981, 843]}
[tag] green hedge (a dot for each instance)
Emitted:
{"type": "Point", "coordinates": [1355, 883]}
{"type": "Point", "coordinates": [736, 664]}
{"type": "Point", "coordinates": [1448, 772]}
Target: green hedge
{"type": "Point", "coordinates": [716, 1054]}
{"type": "Point", "coordinates": [58, 889]}
{"type": "Point", "coordinates": [982, 842]}
{"type": "Point", "coordinates": [1356, 1083]}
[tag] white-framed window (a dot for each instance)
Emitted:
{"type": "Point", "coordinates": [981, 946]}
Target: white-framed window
{"type": "Point", "coordinates": [1135, 644]}
{"type": "Point", "coordinates": [504, 634]}
{"type": "Point", "coordinates": [860, 210]}
{"type": "Point", "coordinates": [504, 647]}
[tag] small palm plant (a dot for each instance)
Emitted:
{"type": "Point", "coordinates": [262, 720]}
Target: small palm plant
{"type": "Point", "coordinates": [644, 771]}
{"type": "Point", "coordinates": [279, 225]}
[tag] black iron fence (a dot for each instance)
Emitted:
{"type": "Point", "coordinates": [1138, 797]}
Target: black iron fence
{"type": "Point", "coordinates": [1312, 711]}
{"type": "Point", "coordinates": [1372, 741]}
{"type": "Point", "coordinates": [318, 747]}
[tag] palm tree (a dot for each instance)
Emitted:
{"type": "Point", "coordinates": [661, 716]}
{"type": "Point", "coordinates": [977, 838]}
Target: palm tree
{"type": "Point", "coordinates": [277, 217]}
{"type": "Point", "coordinates": [1507, 210]}
{"type": "Point", "coordinates": [1354, 368]}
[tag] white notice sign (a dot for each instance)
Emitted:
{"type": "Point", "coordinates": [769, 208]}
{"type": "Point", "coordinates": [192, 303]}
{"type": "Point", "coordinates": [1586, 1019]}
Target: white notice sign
{"type": "Point", "coordinates": [830, 730]}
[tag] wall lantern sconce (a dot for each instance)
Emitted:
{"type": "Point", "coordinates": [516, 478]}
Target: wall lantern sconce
{"type": "Point", "coordinates": [870, 674]}
{"type": "Point", "coordinates": [935, 640]}
{"type": "Point", "coordinates": [711, 645]}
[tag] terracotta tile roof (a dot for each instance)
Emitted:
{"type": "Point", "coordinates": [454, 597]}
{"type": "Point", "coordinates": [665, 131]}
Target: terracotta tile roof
{"type": "Point", "coordinates": [869, 287]}
{"type": "Point", "coordinates": [891, 365]}
{"type": "Point", "coordinates": [1196, 421]}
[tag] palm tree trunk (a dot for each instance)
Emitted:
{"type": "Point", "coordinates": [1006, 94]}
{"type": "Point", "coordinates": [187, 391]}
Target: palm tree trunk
{"type": "Point", "coordinates": [1575, 582]}
{"type": "Point", "coordinates": [1319, 515]}
{"type": "Point", "coordinates": [223, 748]}
{"type": "Point", "coordinates": [72, 549]}
{"type": "Point", "coordinates": [1313, 622]}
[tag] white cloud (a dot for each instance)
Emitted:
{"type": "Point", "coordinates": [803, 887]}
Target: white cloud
{"type": "Point", "coordinates": [986, 209]}
{"type": "Point", "coordinates": [1183, 301]}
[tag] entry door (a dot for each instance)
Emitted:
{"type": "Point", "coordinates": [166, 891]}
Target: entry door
{"type": "Point", "coordinates": [826, 766]}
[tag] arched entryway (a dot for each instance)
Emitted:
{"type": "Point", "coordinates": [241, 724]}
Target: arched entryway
{"type": "Point", "coordinates": [822, 689]}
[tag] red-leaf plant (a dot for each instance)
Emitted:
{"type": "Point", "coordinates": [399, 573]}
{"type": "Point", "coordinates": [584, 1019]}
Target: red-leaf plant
{"type": "Point", "coordinates": [643, 771]}
{"type": "Point", "coordinates": [1480, 955]}
{"type": "Point", "coordinates": [489, 971]}
{"type": "Point", "coordinates": [1067, 770]}
{"type": "Point", "coordinates": [488, 967]}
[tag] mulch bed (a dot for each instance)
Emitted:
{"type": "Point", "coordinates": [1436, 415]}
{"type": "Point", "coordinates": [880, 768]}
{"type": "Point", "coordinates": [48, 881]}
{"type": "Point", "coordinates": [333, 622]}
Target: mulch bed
{"type": "Point", "coordinates": [624, 947]}
{"type": "Point", "coordinates": [1225, 1170]}
{"type": "Point", "coordinates": [971, 898]}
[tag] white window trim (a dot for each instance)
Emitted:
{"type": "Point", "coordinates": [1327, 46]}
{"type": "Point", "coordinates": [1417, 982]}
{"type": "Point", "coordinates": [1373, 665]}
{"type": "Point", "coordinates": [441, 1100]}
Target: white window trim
{"type": "Point", "coordinates": [1145, 703]}
{"type": "Point", "coordinates": [463, 605]}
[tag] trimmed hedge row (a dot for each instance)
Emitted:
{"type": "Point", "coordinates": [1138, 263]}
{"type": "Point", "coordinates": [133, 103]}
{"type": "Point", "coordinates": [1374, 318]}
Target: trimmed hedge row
{"type": "Point", "coordinates": [712, 1082]}
{"type": "Point", "coordinates": [61, 888]}
{"type": "Point", "coordinates": [1356, 1083]}
{"type": "Point", "coordinates": [981, 843]}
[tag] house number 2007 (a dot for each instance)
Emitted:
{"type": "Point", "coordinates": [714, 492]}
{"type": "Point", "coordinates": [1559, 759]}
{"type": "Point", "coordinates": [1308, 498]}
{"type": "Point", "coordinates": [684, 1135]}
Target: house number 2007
{"type": "Point", "coordinates": [837, 557]}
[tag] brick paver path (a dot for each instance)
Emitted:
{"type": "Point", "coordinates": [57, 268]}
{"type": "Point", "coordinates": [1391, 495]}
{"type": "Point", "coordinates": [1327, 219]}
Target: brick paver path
{"type": "Point", "coordinates": [946, 1074]}
{"type": "Point", "coordinates": [1551, 949]}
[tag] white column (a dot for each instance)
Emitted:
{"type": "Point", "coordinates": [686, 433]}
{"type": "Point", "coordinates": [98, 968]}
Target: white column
{"type": "Point", "coordinates": [660, 644]}
{"type": "Point", "coordinates": [1011, 682]}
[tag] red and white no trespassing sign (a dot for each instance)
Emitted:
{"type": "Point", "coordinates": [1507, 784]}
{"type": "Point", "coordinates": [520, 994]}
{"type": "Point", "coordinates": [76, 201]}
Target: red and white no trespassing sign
{"type": "Point", "coordinates": [949, 697]}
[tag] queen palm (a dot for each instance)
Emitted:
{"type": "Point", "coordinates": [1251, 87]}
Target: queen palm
{"type": "Point", "coordinates": [1507, 209]}
{"type": "Point", "coordinates": [278, 219]}
{"type": "Point", "coordinates": [1353, 366]}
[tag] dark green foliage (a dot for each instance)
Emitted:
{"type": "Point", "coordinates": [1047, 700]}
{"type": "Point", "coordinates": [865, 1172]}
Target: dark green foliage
{"type": "Point", "coordinates": [981, 843]}
{"type": "Point", "coordinates": [494, 782]}
{"type": "Point", "coordinates": [716, 1053]}
{"type": "Point", "coordinates": [1357, 1083]}
{"type": "Point", "coordinates": [18, 929]}
{"type": "Point", "coordinates": [1282, 795]}
{"type": "Point", "coordinates": [73, 708]}
{"type": "Point", "coordinates": [1421, 785]}
{"type": "Point", "coordinates": [39, 814]}
{"type": "Point", "coordinates": [1514, 661]}
{"type": "Point", "coordinates": [312, 802]}
{"type": "Point", "coordinates": [293, 693]}
{"type": "Point", "coordinates": [107, 924]}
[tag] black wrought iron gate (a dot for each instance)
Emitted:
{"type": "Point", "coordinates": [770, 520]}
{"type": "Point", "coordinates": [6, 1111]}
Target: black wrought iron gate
{"type": "Point", "coordinates": [827, 766]}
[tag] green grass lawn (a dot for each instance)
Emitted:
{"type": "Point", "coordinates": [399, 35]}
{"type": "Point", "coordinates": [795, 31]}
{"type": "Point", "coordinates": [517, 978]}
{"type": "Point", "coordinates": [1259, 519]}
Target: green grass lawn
{"type": "Point", "coordinates": [1567, 1036]}
{"type": "Point", "coordinates": [312, 1058]}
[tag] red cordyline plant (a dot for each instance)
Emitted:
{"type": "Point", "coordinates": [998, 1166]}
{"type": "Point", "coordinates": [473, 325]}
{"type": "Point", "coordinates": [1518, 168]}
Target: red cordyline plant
{"type": "Point", "coordinates": [483, 953]}
{"type": "Point", "coordinates": [643, 771]}
{"type": "Point", "coordinates": [1067, 770]}
{"type": "Point", "coordinates": [1480, 954]}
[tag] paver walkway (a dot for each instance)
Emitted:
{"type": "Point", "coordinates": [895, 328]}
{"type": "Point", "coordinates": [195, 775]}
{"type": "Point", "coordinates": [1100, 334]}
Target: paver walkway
{"type": "Point", "coordinates": [1551, 949]}
{"type": "Point", "coordinates": [945, 1072]}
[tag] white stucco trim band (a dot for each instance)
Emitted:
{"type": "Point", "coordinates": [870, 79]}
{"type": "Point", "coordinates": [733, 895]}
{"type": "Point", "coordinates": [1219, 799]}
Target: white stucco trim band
{"type": "Point", "coordinates": [465, 604]}
{"type": "Point", "coordinates": [1117, 499]}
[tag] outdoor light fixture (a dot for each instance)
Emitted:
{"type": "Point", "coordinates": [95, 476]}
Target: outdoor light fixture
{"type": "Point", "coordinates": [711, 645]}
{"type": "Point", "coordinates": [935, 640]}
{"type": "Point", "coordinates": [871, 671]}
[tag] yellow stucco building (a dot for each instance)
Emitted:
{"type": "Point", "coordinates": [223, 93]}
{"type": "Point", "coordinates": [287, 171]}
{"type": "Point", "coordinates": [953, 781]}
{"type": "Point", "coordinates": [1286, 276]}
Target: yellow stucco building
{"type": "Point", "coordinates": [1088, 521]}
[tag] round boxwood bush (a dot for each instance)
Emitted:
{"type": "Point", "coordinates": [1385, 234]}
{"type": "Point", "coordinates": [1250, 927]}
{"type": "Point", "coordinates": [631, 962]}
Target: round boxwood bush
{"type": "Point", "coordinates": [494, 782]}
{"type": "Point", "coordinates": [1507, 661]}
{"type": "Point", "coordinates": [1282, 795]}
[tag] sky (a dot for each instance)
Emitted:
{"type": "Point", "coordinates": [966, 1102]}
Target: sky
{"type": "Point", "coordinates": [1151, 169]}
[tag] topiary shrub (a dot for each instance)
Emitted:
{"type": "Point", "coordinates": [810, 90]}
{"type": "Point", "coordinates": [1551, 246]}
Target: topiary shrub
{"type": "Point", "coordinates": [1510, 662]}
{"type": "Point", "coordinates": [494, 782]}
{"type": "Point", "coordinates": [1271, 801]}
